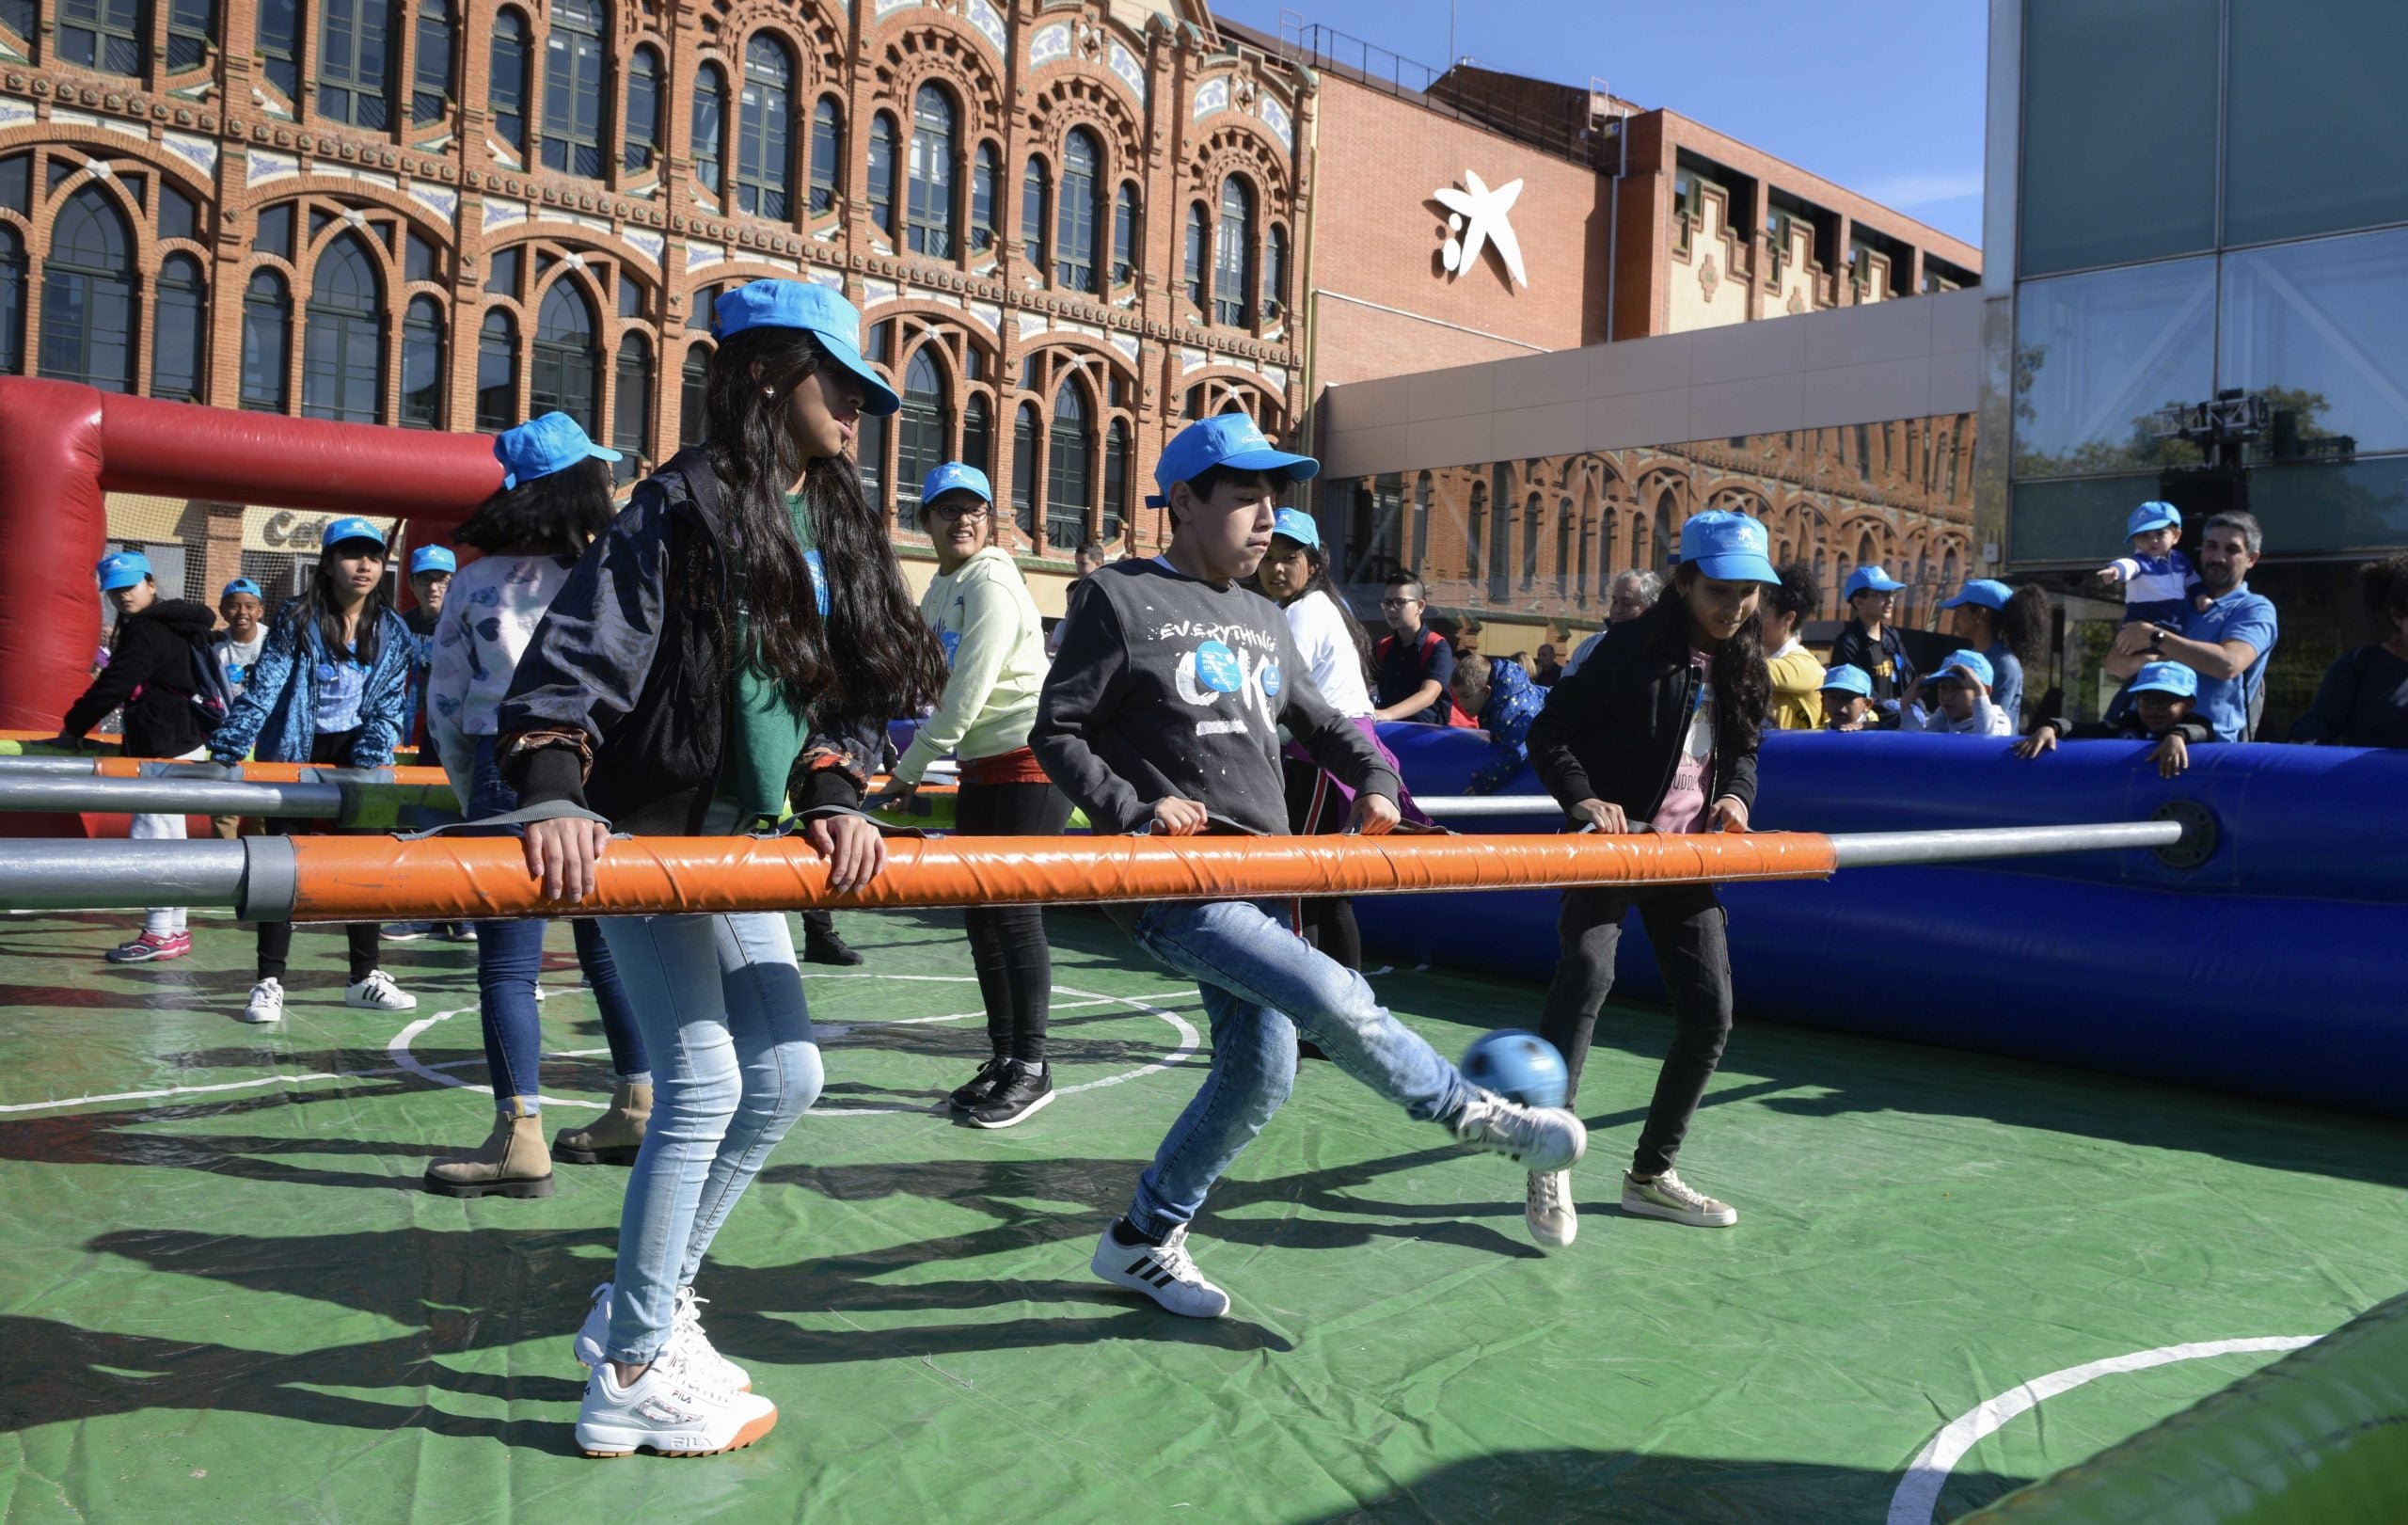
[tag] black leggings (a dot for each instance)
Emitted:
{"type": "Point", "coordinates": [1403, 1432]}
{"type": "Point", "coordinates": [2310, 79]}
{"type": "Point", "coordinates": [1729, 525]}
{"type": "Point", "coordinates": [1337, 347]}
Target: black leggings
{"type": "Point", "coordinates": [276, 937]}
{"type": "Point", "coordinates": [1007, 942]}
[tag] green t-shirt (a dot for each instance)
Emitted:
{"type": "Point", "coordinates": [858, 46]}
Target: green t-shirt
{"type": "Point", "coordinates": [766, 732]}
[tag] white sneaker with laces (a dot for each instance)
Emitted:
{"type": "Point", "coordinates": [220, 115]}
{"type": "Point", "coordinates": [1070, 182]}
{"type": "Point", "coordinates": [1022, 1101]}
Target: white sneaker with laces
{"type": "Point", "coordinates": [674, 1408]}
{"type": "Point", "coordinates": [267, 1001]}
{"type": "Point", "coordinates": [1164, 1272]}
{"type": "Point", "coordinates": [685, 1335]}
{"type": "Point", "coordinates": [1669, 1197]}
{"type": "Point", "coordinates": [378, 992]}
{"type": "Point", "coordinates": [1539, 1138]}
{"type": "Point", "coordinates": [1547, 1210]}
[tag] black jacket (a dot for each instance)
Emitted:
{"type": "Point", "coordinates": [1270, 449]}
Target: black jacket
{"type": "Point", "coordinates": [2127, 729]}
{"type": "Point", "coordinates": [154, 653]}
{"type": "Point", "coordinates": [629, 655]}
{"type": "Point", "coordinates": [1614, 729]}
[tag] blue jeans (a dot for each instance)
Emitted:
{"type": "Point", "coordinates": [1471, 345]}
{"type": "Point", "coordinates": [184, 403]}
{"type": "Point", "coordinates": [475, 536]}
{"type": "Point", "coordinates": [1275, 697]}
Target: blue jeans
{"type": "Point", "coordinates": [1260, 983]}
{"type": "Point", "coordinates": [510, 954]}
{"type": "Point", "coordinates": [719, 1003]}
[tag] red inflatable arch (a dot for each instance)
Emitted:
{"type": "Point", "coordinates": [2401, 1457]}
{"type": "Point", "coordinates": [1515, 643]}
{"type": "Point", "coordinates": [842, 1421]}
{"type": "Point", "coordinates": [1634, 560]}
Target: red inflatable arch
{"type": "Point", "coordinates": [62, 446]}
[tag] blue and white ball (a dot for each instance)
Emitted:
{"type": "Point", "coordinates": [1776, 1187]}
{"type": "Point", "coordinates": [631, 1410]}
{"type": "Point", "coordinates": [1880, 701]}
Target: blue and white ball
{"type": "Point", "coordinates": [1521, 1067]}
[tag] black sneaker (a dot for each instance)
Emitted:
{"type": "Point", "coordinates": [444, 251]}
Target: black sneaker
{"type": "Point", "coordinates": [982, 1085]}
{"type": "Point", "coordinates": [827, 948]}
{"type": "Point", "coordinates": [1023, 1089]}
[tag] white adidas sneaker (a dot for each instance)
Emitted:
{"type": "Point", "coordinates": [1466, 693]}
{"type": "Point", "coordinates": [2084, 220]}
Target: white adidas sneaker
{"type": "Point", "coordinates": [1548, 1210]}
{"type": "Point", "coordinates": [684, 1333]}
{"type": "Point", "coordinates": [267, 1001]}
{"type": "Point", "coordinates": [378, 992]}
{"type": "Point", "coordinates": [676, 1408]}
{"type": "Point", "coordinates": [1164, 1272]}
{"type": "Point", "coordinates": [1538, 1138]}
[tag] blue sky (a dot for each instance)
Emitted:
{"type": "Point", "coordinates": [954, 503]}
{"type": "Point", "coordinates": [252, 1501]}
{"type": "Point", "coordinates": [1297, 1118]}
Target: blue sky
{"type": "Point", "coordinates": [1882, 96]}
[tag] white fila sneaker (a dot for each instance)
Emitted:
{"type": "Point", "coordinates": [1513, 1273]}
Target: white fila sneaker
{"type": "Point", "coordinates": [675, 1409]}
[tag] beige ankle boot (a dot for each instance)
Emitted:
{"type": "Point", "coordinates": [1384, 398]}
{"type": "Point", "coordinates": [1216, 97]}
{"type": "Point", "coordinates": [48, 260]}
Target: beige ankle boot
{"type": "Point", "coordinates": [512, 1162]}
{"type": "Point", "coordinates": [615, 1135]}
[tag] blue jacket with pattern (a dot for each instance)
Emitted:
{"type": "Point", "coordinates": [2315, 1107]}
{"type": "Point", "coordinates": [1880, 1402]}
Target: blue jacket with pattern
{"type": "Point", "coordinates": [276, 719]}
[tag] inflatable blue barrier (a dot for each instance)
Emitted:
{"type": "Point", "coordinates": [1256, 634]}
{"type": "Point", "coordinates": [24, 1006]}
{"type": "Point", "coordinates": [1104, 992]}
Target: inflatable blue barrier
{"type": "Point", "coordinates": [2276, 967]}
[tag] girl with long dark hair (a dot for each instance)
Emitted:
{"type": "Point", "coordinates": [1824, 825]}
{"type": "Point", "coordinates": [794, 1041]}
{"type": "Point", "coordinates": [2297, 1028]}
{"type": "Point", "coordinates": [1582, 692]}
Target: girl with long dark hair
{"type": "Point", "coordinates": [1659, 731]}
{"type": "Point", "coordinates": [555, 497]}
{"type": "Point", "coordinates": [730, 647]}
{"type": "Point", "coordinates": [1337, 652]}
{"type": "Point", "coordinates": [331, 687]}
{"type": "Point", "coordinates": [2009, 627]}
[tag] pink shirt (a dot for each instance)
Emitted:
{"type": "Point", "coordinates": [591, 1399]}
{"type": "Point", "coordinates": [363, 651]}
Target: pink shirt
{"type": "Point", "coordinates": [1684, 806]}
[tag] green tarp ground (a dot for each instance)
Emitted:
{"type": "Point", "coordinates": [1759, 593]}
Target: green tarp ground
{"type": "Point", "coordinates": [224, 1299]}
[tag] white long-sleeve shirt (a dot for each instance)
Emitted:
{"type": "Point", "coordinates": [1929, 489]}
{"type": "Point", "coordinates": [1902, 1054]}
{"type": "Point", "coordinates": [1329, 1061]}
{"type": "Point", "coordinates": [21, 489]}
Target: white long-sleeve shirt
{"type": "Point", "coordinates": [1329, 653]}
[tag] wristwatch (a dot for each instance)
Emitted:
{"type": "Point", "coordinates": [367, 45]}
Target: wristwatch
{"type": "Point", "coordinates": [2157, 640]}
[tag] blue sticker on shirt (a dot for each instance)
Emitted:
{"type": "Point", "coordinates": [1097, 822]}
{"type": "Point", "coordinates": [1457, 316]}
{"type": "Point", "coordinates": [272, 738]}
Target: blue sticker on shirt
{"type": "Point", "coordinates": [818, 580]}
{"type": "Point", "coordinates": [1217, 667]}
{"type": "Point", "coordinates": [951, 641]}
{"type": "Point", "coordinates": [1271, 680]}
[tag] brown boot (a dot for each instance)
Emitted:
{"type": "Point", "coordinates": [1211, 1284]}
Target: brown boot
{"type": "Point", "coordinates": [615, 1135]}
{"type": "Point", "coordinates": [512, 1162]}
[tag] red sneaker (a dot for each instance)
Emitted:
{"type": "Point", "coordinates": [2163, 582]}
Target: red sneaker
{"type": "Point", "coordinates": [150, 948]}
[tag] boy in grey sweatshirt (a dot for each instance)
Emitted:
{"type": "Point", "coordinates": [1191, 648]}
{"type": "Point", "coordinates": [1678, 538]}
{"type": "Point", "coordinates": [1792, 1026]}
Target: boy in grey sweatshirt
{"type": "Point", "coordinates": [1162, 714]}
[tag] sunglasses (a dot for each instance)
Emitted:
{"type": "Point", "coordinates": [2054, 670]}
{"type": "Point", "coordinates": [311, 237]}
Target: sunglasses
{"type": "Point", "coordinates": [1397, 603]}
{"type": "Point", "coordinates": [956, 511]}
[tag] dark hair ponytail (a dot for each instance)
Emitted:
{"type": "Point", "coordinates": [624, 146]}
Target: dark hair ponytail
{"type": "Point", "coordinates": [560, 513]}
{"type": "Point", "coordinates": [872, 654]}
{"type": "Point", "coordinates": [1318, 582]}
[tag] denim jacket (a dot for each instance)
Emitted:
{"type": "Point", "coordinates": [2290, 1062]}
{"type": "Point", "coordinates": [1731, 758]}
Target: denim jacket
{"type": "Point", "coordinates": [275, 719]}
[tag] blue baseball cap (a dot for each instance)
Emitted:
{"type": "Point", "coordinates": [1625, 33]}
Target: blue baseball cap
{"type": "Point", "coordinates": [1849, 679]}
{"type": "Point", "coordinates": [542, 446]}
{"type": "Point", "coordinates": [122, 569]}
{"type": "Point", "coordinates": [1296, 525]}
{"type": "Point", "coordinates": [956, 476]}
{"type": "Point", "coordinates": [1869, 580]}
{"type": "Point", "coordinates": [2166, 678]}
{"type": "Point", "coordinates": [1971, 664]}
{"type": "Point", "coordinates": [2153, 514]}
{"type": "Point", "coordinates": [1982, 592]}
{"type": "Point", "coordinates": [1232, 439]}
{"type": "Point", "coordinates": [802, 304]}
{"type": "Point", "coordinates": [339, 531]}
{"type": "Point", "coordinates": [1728, 546]}
{"type": "Point", "coordinates": [431, 559]}
{"type": "Point", "coordinates": [240, 585]}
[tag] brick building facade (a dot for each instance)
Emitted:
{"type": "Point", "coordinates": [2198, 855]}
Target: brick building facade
{"type": "Point", "coordinates": [1068, 224]}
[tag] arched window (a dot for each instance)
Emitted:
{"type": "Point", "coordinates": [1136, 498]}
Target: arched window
{"type": "Point", "coordinates": [1026, 433]}
{"type": "Point", "coordinates": [430, 72]}
{"type": "Point", "coordinates": [343, 345]}
{"type": "Point", "coordinates": [12, 302]}
{"type": "Point", "coordinates": [763, 157]}
{"type": "Point", "coordinates": [827, 155]}
{"type": "Point", "coordinates": [567, 370]}
{"type": "Point", "coordinates": [422, 365]}
{"type": "Point", "coordinates": [1417, 554]}
{"type": "Point", "coordinates": [694, 396]}
{"type": "Point", "coordinates": [978, 433]}
{"type": "Point", "coordinates": [1070, 490]}
{"type": "Point", "coordinates": [932, 160]}
{"type": "Point", "coordinates": [1076, 220]}
{"type": "Point", "coordinates": [882, 173]}
{"type": "Point", "coordinates": [506, 90]}
{"type": "Point", "coordinates": [1274, 272]}
{"type": "Point", "coordinates": [986, 190]}
{"type": "Point", "coordinates": [1564, 548]}
{"type": "Point", "coordinates": [1475, 531]}
{"type": "Point", "coordinates": [1533, 533]}
{"type": "Point", "coordinates": [267, 343]}
{"type": "Point", "coordinates": [1667, 503]}
{"type": "Point", "coordinates": [711, 128]}
{"type": "Point", "coordinates": [1868, 551]}
{"type": "Point", "coordinates": [643, 134]}
{"type": "Point", "coordinates": [1233, 257]}
{"type": "Point", "coordinates": [498, 372]}
{"type": "Point", "coordinates": [354, 69]}
{"type": "Point", "coordinates": [88, 295]}
{"type": "Point", "coordinates": [572, 89]}
{"type": "Point", "coordinates": [1032, 214]}
{"type": "Point", "coordinates": [177, 342]}
{"type": "Point", "coordinates": [1124, 234]}
{"type": "Point", "coordinates": [103, 35]}
{"type": "Point", "coordinates": [192, 28]}
{"type": "Point", "coordinates": [1193, 270]}
{"type": "Point", "coordinates": [631, 407]}
{"type": "Point", "coordinates": [1115, 479]}
{"type": "Point", "coordinates": [923, 442]}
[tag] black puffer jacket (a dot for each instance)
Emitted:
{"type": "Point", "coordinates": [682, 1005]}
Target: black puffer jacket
{"type": "Point", "coordinates": [1614, 729]}
{"type": "Point", "coordinates": [153, 652]}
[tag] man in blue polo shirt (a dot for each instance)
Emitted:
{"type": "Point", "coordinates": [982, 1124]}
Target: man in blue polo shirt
{"type": "Point", "coordinates": [2227, 643]}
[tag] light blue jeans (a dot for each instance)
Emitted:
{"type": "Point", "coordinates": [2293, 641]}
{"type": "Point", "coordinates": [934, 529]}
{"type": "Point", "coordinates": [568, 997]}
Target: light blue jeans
{"type": "Point", "coordinates": [719, 1003]}
{"type": "Point", "coordinates": [1260, 983]}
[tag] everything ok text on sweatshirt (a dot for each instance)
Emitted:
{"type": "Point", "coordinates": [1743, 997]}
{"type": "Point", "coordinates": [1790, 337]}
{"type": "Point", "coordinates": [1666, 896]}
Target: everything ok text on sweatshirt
{"type": "Point", "coordinates": [1165, 686]}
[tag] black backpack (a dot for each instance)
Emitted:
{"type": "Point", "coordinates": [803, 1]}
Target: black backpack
{"type": "Point", "coordinates": [211, 693]}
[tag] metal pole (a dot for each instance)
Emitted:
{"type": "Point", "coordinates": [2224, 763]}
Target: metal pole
{"type": "Point", "coordinates": [172, 797]}
{"type": "Point", "coordinates": [1481, 807]}
{"type": "Point", "coordinates": [1884, 849]}
{"type": "Point", "coordinates": [63, 874]}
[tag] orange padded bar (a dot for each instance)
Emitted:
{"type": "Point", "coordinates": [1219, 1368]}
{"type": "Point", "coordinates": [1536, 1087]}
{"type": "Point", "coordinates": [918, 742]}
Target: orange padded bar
{"type": "Point", "coordinates": [447, 879]}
